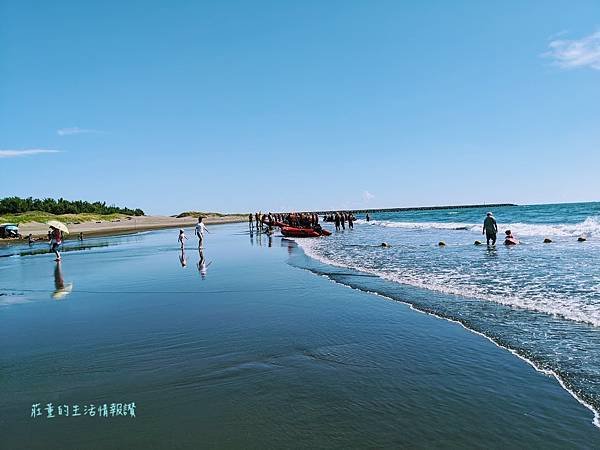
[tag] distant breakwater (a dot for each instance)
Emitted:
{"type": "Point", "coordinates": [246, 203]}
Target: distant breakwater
{"type": "Point", "coordinates": [414, 208]}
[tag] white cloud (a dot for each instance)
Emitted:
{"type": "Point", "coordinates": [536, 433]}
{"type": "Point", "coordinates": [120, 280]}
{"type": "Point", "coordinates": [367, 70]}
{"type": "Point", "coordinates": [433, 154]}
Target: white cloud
{"type": "Point", "coordinates": [75, 130]}
{"type": "Point", "coordinates": [575, 53]}
{"type": "Point", "coordinates": [31, 151]}
{"type": "Point", "coordinates": [366, 196]}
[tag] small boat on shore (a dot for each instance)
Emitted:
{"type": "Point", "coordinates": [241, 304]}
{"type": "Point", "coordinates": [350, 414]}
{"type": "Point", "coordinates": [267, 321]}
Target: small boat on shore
{"type": "Point", "coordinates": [303, 232]}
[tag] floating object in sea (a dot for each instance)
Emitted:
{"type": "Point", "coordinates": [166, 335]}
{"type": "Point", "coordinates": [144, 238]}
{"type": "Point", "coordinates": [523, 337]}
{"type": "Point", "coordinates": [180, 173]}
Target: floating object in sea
{"type": "Point", "coordinates": [442, 244]}
{"type": "Point", "coordinates": [547, 241]}
{"type": "Point", "coordinates": [385, 244]}
{"type": "Point", "coordinates": [477, 242]}
{"type": "Point", "coordinates": [303, 232]}
{"type": "Point", "coordinates": [581, 239]}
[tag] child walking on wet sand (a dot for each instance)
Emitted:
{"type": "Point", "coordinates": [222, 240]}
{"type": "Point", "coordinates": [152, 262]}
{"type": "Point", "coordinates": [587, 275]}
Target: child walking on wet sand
{"type": "Point", "coordinates": [182, 238]}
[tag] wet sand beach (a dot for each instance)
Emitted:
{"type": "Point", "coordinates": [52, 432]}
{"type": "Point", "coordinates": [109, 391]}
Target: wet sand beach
{"type": "Point", "coordinates": [136, 223]}
{"type": "Point", "coordinates": [260, 349]}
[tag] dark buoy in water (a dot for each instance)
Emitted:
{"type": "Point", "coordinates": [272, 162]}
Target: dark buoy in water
{"type": "Point", "coordinates": [442, 244]}
{"type": "Point", "coordinates": [547, 241]}
{"type": "Point", "coordinates": [581, 239]}
{"type": "Point", "coordinates": [385, 244]}
{"type": "Point", "coordinates": [477, 242]}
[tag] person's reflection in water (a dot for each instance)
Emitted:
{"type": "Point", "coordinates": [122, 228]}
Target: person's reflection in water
{"type": "Point", "coordinates": [251, 238]}
{"type": "Point", "coordinates": [289, 244]}
{"type": "Point", "coordinates": [202, 266]}
{"type": "Point", "coordinates": [61, 290]}
{"type": "Point", "coordinates": [492, 252]}
{"type": "Point", "coordinates": [182, 258]}
{"type": "Point", "coordinates": [270, 241]}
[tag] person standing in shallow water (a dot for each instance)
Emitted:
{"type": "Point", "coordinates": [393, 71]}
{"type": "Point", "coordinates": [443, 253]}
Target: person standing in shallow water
{"type": "Point", "coordinates": [490, 228]}
{"type": "Point", "coordinates": [200, 229]}
{"type": "Point", "coordinates": [56, 241]}
{"type": "Point", "coordinates": [182, 238]}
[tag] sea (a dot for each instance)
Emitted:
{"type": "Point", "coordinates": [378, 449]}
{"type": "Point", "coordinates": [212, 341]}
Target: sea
{"type": "Point", "coordinates": [260, 341]}
{"type": "Point", "coordinates": [539, 300]}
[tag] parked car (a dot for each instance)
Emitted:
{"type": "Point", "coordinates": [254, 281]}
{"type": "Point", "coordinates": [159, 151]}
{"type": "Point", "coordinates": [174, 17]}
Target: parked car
{"type": "Point", "coordinates": [9, 230]}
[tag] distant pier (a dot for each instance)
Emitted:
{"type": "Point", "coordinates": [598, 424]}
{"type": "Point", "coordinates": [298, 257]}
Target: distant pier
{"type": "Point", "coordinates": [415, 208]}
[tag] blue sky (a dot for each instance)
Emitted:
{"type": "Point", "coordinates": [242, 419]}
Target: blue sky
{"type": "Point", "coordinates": [237, 106]}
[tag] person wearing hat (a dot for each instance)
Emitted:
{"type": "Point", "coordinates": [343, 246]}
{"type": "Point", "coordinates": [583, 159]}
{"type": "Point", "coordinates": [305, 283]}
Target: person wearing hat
{"type": "Point", "coordinates": [490, 228]}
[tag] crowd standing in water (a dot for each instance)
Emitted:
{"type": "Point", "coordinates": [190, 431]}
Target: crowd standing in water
{"type": "Point", "coordinates": [340, 219]}
{"type": "Point", "coordinates": [267, 222]}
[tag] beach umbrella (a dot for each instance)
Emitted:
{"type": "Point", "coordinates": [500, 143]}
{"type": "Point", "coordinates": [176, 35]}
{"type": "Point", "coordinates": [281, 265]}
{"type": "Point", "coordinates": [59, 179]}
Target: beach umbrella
{"type": "Point", "coordinates": [56, 224]}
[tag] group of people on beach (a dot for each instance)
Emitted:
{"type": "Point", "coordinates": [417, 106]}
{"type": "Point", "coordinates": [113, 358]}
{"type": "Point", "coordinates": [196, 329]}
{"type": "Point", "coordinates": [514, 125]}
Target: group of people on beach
{"type": "Point", "coordinates": [340, 219]}
{"type": "Point", "coordinates": [267, 222]}
{"type": "Point", "coordinates": [300, 220]}
{"type": "Point", "coordinates": [292, 219]}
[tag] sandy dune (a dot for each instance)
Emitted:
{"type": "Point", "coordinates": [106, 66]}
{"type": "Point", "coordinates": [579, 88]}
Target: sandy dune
{"type": "Point", "coordinates": [139, 223]}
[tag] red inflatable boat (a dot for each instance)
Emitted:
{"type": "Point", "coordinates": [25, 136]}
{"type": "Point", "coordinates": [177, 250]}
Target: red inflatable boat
{"type": "Point", "coordinates": [302, 232]}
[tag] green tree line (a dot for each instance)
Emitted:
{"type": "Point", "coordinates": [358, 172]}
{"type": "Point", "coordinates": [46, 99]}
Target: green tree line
{"type": "Point", "coordinates": [16, 205]}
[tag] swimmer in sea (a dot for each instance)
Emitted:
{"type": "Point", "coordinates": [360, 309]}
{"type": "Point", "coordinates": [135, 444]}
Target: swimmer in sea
{"type": "Point", "coordinates": [509, 239]}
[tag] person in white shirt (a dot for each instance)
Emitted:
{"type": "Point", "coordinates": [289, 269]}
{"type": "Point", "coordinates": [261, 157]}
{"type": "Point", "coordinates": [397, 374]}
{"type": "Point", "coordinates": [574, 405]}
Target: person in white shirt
{"type": "Point", "coordinates": [200, 229]}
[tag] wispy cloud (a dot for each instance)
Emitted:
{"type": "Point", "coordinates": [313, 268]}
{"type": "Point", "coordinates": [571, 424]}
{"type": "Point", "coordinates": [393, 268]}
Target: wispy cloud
{"type": "Point", "coordinates": [366, 196]}
{"type": "Point", "coordinates": [75, 130]}
{"type": "Point", "coordinates": [575, 53]}
{"type": "Point", "coordinates": [27, 152]}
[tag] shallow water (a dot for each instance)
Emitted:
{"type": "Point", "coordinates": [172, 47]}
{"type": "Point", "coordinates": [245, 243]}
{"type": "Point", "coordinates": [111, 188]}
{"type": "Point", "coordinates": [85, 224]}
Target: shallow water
{"type": "Point", "coordinates": [238, 349]}
{"type": "Point", "coordinates": [542, 300]}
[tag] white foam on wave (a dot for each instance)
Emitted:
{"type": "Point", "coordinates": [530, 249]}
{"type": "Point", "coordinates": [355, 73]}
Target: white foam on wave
{"type": "Point", "coordinates": [309, 248]}
{"type": "Point", "coordinates": [589, 227]}
{"type": "Point", "coordinates": [544, 302]}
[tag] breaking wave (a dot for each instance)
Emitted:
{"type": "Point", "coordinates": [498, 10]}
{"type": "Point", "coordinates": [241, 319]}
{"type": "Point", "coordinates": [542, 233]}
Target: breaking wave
{"type": "Point", "coordinates": [589, 227]}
